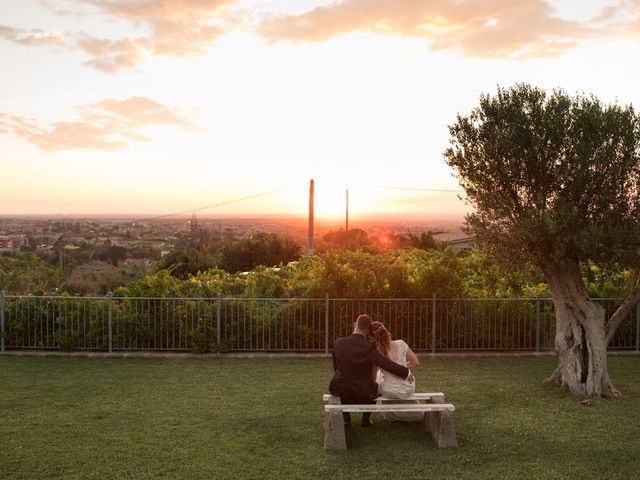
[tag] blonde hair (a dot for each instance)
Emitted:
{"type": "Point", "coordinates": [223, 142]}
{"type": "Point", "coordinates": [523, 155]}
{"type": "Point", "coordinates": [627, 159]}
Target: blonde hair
{"type": "Point", "coordinates": [381, 337]}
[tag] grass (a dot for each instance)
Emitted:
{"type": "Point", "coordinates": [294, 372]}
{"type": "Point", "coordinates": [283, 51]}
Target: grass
{"type": "Point", "coordinates": [79, 418]}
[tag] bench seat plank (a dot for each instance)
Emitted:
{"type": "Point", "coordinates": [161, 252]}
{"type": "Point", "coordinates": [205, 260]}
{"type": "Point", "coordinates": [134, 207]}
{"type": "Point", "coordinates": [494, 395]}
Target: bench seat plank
{"type": "Point", "coordinates": [416, 396]}
{"type": "Point", "coordinates": [392, 407]}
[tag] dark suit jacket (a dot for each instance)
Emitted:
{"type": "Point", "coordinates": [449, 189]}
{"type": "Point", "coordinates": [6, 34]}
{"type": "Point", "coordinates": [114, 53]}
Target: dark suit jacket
{"type": "Point", "coordinates": [353, 359]}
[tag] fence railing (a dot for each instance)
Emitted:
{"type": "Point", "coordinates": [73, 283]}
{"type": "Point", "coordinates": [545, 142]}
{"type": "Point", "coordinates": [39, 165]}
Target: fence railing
{"type": "Point", "coordinates": [282, 324]}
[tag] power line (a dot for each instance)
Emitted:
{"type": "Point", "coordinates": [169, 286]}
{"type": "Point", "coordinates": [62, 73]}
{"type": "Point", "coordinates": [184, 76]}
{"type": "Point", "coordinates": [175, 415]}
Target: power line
{"type": "Point", "coordinates": [417, 189]}
{"type": "Point", "coordinates": [249, 197]}
{"type": "Point", "coordinates": [392, 187]}
{"type": "Point", "coordinates": [214, 205]}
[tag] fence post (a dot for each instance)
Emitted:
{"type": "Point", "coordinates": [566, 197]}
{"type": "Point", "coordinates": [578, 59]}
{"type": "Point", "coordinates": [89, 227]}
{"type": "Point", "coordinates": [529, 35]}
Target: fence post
{"type": "Point", "coordinates": [110, 318]}
{"type": "Point", "coordinates": [537, 324]}
{"type": "Point", "coordinates": [637, 328]}
{"type": "Point", "coordinates": [218, 315]}
{"type": "Point", "coordinates": [326, 324]}
{"type": "Point", "coordinates": [433, 323]}
{"type": "Point", "coordinates": [2, 321]}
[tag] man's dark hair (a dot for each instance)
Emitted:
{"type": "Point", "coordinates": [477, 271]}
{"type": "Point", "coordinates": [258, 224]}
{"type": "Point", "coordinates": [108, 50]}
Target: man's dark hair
{"type": "Point", "coordinates": [363, 322]}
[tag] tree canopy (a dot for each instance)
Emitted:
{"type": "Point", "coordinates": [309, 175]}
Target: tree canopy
{"type": "Point", "coordinates": [553, 178]}
{"type": "Point", "coordinates": [555, 181]}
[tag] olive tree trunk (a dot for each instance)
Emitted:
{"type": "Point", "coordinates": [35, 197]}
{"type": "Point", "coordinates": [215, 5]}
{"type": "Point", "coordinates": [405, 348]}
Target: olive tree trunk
{"type": "Point", "coordinates": [581, 337]}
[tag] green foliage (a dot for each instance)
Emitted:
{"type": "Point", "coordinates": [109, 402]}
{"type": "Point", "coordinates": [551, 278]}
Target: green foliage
{"type": "Point", "coordinates": [66, 340]}
{"type": "Point", "coordinates": [80, 282]}
{"type": "Point", "coordinates": [161, 284]}
{"type": "Point", "coordinates": [62, 322]}
{"type": "Point", "coordinates": [406, 273]}
{"type": "Point", "coordinates": [26, 273]}
{"type": "Point", "coordinates": [334, 240]}
{"type": "Point", "coordinates": [424, 241]}
{"type": "Point", "coordinates": [265, 249]}
{"type": "Point", "coordinates": [263, 282]}
{"type": "Point", "coordinates": [160, 311]}
{"type": "Point", "coordinates": [113, 254]}
{"type": "Point", "coordinates": [346, 274]}
{"type": "Point", "coordinates": [554, 179]}
{"type": "Point", "coordinates": [483, 278]}
{"type": "Point", "coordinates": [203, 284]}
{"type": "Point", "coordinates": [200, 336]}
{"type": "Point", "coordinates": [214, 281]}
{"type": "Point", "coordinates": [611, 282]}
{"type": "Point", "coordinates": [432, 271]}
{"type": "Point", "coordinates": [411, 273]}
{"type": "Point", "coordinates": [183, 262]}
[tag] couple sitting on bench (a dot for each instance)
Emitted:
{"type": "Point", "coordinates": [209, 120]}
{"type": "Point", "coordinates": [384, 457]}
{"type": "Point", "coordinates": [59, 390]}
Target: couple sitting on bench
{"type": "Point", "coordinates": [357, 379]}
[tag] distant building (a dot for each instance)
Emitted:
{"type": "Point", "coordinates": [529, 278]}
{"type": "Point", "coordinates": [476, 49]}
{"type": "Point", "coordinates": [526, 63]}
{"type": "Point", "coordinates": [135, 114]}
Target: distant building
{"type": "Point", "coordinates": [457, 240]}
{"type": "Point", "coordinates": [7, 244]}
{"type": "Point", "coordinates": [459, 244]}
{"type": "Point", "coordinates": [10, 244]}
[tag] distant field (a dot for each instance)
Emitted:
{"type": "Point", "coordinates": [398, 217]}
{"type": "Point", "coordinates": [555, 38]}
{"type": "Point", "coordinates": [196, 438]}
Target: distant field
{"type": "Point", "coordinates": [79, 418]}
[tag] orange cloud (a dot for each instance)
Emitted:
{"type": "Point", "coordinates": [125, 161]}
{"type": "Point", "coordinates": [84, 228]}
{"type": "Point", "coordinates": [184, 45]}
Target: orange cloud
{"type": "Point", "coordinates": [178, 28]}
{"type": "Point", "coordinates": [487, 28]}
{"type": "Point", "coordinates": [106, 125]}
{"type": "Point", "coordinates": [112, 55]}
{"type": "Point", "coordinates": [32, 37]}
{"type": "Point", "coordinates": [490, 28]}
{"type": "Point", "coordinates": [633, 26]}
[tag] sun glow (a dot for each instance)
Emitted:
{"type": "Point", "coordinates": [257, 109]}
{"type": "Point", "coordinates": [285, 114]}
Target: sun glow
{"type": "Point", "coordinates": [330, 200]}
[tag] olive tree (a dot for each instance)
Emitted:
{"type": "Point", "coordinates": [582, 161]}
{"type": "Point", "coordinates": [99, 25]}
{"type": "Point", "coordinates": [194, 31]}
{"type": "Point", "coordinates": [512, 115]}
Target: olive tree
{"type": "Point", "coordinates": [554, 181]}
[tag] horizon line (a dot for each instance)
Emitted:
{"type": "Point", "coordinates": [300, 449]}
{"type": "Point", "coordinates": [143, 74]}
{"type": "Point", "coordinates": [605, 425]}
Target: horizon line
{"type": "Point", "coordinates": [242, 215]}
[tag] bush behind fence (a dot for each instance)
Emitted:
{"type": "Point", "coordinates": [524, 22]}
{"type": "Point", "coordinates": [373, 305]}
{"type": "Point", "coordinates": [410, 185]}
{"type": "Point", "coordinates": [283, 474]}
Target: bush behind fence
{"type": "Point", "coordinates": [303, 325]}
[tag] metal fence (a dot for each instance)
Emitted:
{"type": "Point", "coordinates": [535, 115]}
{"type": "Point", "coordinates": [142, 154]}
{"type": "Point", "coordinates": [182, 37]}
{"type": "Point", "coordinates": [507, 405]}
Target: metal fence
{"type": "Point", "coordinates": [276, 325]}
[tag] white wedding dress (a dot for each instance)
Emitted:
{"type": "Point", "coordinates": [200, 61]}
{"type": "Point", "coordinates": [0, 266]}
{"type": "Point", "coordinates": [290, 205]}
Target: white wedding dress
{"type": "Point", "coordinates": [390, 386]}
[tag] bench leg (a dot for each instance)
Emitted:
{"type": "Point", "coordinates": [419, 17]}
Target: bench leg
{"type": "Point", "coordinates": [334, 435]}
{"type": "Point", "coordinates": [440, 424]}
{"type": "Point", "coordinates": [429, 417]}
{"type": "Point", "coordinates": [427, 422]}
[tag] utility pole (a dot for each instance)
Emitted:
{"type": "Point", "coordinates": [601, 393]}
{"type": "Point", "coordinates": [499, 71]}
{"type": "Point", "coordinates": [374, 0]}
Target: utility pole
{"type": "Point", "coordinates": [60, 244]}
{"type": "Point", "coordinates": [310, 230]}
{"type": "Point", "coordinates": [346, 227]}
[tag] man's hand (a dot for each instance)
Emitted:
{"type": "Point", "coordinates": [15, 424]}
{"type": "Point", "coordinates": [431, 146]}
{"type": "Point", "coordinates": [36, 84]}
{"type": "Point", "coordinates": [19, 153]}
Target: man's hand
{"type": "Point", "coordinates": [411, 378]}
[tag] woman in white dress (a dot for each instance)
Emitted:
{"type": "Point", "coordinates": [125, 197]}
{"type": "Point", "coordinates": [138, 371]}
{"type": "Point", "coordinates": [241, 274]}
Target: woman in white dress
{"type": "Point", "coordinates": [389, 385]}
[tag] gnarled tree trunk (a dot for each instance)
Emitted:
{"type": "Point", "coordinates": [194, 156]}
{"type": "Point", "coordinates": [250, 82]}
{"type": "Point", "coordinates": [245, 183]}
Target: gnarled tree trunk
{"type": "Point", "coordinates": [581, 337]}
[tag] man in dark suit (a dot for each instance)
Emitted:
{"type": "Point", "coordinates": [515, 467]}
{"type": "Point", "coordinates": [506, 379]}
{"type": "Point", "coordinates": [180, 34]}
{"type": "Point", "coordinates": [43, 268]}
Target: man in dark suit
{"type": "Point", "coordinates": [353, 360]}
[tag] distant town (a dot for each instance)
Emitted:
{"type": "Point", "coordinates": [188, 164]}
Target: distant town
{"type": "Point", "coordinates": [152, 238]}
{"type": "Point", "coordinates": [93, 254]}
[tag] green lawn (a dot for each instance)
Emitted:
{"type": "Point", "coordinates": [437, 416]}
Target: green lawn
{"type": "Point", "coordinates": [140, 418]}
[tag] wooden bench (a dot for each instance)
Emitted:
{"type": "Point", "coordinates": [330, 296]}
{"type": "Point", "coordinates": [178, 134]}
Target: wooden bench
{"type": "Point", "coordinates": [438, 419]}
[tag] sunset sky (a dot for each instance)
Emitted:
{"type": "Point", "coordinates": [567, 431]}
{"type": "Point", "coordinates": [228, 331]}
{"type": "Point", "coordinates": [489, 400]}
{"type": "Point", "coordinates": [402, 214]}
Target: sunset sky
{"type": "Point", "coordinates": [156, 106]}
